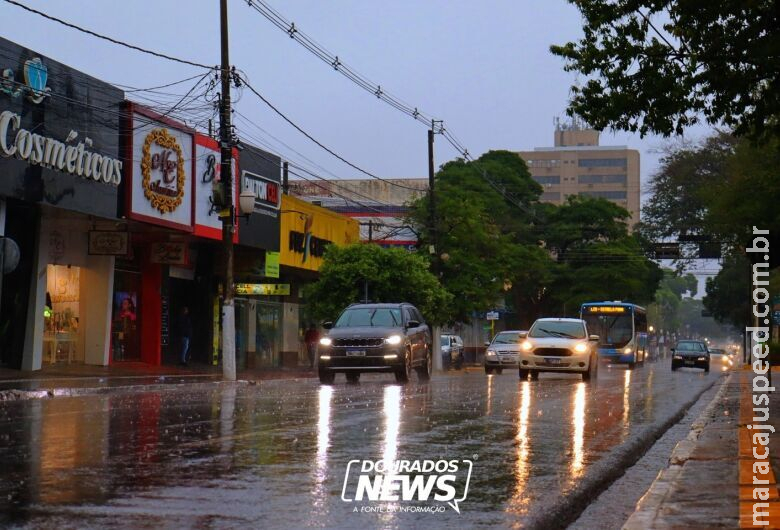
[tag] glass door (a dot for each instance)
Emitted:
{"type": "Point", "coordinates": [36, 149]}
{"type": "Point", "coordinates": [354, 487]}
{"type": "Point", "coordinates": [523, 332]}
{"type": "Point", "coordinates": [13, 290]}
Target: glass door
{"type": "Point", "coordinates": [125, 329]}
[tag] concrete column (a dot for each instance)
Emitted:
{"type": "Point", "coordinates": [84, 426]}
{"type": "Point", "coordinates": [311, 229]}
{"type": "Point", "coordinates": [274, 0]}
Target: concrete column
{"type": "Point", "coordinates": [33, 336]}
{"type": "Point", "coordinates": [437, 364]}
{"type": "Point", "coordinates": [95, 307]}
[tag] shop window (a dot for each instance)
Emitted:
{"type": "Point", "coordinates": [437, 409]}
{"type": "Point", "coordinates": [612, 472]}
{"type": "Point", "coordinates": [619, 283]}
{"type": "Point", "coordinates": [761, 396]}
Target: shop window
{"type": "Point", "coordinates": [61, 314]}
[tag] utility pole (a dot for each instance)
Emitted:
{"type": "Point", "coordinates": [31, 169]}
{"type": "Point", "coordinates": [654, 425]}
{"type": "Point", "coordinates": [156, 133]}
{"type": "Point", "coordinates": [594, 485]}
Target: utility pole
{"type": "Point", "coordinates": [436, 331]}
{"type": "Point", "coordinates": [286, 178]}
{"type": "Point", "coordinates": [226, 151]}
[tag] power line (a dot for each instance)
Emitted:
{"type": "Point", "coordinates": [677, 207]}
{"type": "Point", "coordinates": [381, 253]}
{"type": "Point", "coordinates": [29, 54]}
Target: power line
{"type": "Point", "coordinates": [338, 65]}
{"type": "Point", "coordinates": [106, 38]}
{"type": "Point", "coordinates": [320, 144]}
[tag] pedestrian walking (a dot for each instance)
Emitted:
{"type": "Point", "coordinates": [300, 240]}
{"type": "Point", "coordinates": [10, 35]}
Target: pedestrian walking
{"type": "Point", "coordinates": [185, 328]}
{"type": "Point", "coordinates": [311, 338]}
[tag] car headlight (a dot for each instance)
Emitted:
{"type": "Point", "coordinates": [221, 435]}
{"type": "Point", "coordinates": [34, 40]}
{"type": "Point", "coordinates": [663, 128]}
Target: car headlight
{"type": "Point", "coordinates": [678, 357]}
{"type": "Point", "coordinates": [326, 341]}
{"type": "Point", "coordinates": [701, 358]}
{"type": "Point", "coordinates": [527, 346]}
{"type": "Point", "coordinates": [627, 350]}
{"type": "Point", "coordinates": [393, 339]}
{"type": "Point", "coordinates": [490, 353]}
{"type": "Point", "coordinates": [581, 347]}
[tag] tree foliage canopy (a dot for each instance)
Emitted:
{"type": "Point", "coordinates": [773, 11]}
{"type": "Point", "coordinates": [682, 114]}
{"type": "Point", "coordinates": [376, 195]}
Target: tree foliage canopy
{"type": "Point", "coordinates": [658, 66]}
{"type": "Point", "coordinates": [392, 275]}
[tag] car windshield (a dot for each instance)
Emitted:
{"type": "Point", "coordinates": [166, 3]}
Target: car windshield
{"type": "Point", "coordinates": [370, 317]}
{"type": "Point", "coordinates": [552, 328]}
{"type": "Point", "coordinates": [445, 340]}
{"type": "Point", "coordinates": [507, 337]}
{"type": "Point", "coordinates": [690, 346]}
{"type": "Point", "coordinates": [718, 351]}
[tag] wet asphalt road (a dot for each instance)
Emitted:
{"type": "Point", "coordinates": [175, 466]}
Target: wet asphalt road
{"type": "Point", "coordinates": [274, 455]}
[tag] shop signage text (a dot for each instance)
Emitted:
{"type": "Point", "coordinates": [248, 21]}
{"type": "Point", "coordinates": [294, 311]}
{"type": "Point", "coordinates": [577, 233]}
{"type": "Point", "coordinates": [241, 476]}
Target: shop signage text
{"type": "Point", "coordinates": [45, 151]}
{"type": "Point", "coordinates": [169, 253]}
{"type": "Point", "coordinates": [263, 289]}
{"type": "Point", "coordinates": [266, 191]}
{"type": "Point", "coordinates": [307, 244]}
{"type": "Point", "coordinates": [108, 243]}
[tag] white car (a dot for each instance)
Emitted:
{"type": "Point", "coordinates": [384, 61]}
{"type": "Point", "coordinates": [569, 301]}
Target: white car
{"type": "Point", "coordinates": [558, 345]}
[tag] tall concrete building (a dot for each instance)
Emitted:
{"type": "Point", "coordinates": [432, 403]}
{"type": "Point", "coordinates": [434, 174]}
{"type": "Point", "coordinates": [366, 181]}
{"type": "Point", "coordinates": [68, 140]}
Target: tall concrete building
{"type": "Point", "coordinates": [578, 165]}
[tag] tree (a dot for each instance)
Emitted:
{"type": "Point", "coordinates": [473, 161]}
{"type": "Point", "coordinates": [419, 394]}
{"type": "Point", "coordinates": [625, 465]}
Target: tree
{"type": "Point", "coordinates": [391, 275]}
{"type": "Point", "coordinates": [660, 66]}
{"type": "Point", "coordinates": [666, 310]}
{"type": "Point", "coordinates": [483, 238]}
{"type": "Point", "coordinates": [728, 293]}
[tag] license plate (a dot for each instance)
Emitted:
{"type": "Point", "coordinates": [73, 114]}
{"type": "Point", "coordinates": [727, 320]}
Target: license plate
{"type": "Point", "coordinates": [553, 361]}
{"type": "Point", "coordinates": [356, 353]}
{"type": "Point", "coordinates": [691, 363]}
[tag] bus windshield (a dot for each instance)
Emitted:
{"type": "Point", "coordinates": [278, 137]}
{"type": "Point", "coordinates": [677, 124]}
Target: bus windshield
{"type": "Point", "coordinates": [614, 331]}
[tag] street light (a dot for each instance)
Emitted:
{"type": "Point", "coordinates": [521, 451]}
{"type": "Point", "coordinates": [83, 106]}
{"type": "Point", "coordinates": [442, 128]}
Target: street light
{"type": "Point", "coordinates": [246, 202]}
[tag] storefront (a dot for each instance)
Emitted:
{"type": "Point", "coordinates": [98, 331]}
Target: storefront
{"type": "Point", "coordinates": [259, 292]}
{"type": "Point", "coordinates": [305, 233]}
{"type": "Point", "coordinates": [60, 172]}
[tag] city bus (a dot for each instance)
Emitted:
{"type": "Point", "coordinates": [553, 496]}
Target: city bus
{"type": "Point", "coordinates": [622, 330]}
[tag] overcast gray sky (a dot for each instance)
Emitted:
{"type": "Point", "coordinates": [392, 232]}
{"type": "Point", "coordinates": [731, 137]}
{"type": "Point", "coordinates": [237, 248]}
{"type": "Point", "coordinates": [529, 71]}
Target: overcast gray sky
{"type": "Point", "coordinates": [483, 66]}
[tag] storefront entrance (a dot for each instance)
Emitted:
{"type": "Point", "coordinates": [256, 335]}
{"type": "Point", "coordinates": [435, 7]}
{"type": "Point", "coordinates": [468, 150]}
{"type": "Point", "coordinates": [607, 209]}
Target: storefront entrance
{"type": "Point", "coordinates": [258, 333]}
{"type": "Point", "coordinates": [61, 338]}
{"type": "Point", "coordinates": [125, 328]}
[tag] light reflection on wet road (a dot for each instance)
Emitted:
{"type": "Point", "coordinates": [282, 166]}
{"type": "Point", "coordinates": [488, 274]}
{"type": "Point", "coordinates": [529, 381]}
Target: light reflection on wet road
{"type": "Point", "coordinates": [274, 455]}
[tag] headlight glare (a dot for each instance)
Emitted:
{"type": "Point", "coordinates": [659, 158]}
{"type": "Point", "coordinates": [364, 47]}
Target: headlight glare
{"type": "Point", "coordinates": [490, 353]}
{"type": "Point", "coordinates": [627, 350]}
{"type": "Point", "coordinates": [527, 346]}
{"type": "Point", "coordinates": [326, 341]}
{"type": "Point", "coordinates": [393, 339]}
{"type": "Point", "coordinates": [581, 347]}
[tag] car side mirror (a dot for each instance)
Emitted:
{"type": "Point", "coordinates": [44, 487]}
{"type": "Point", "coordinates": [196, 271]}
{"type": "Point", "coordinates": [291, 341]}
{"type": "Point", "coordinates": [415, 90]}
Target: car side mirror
{"type": "Point", "coordinates": [487, 343]}
{"type": "Point", "coordinates": [523, 335]}
{"type": "Point", "coordinates": [327, 325]}
{"type": "Point", "coordinates": [413, 324]}
{"type": "Point", "coordinates": [594, 338]}
{"type": "Point", "coordinates": [673, 350]}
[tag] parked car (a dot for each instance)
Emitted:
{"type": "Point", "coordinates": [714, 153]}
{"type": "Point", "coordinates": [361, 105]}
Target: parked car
{"type": "Point", "coordinates": [376, 338]}
{"type": "Point", "coordinates": [690, 354]}
{"type": "Point", "coordinates": [452, 351]}
{"type": "Point", "coordinates": [559, 345]}
{"type": "Point", "coordinates": [502, 351]}
{"type": "Point", "coordinates": [720, 359]}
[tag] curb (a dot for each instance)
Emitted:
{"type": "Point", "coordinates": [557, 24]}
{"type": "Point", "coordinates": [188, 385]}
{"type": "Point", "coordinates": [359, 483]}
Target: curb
{"type": "Point", "coordinates": [650, 504]}
{"type": "Point", "coordinates": [608, 470]}
{"type": "Point", "coordinates": [19, 395]}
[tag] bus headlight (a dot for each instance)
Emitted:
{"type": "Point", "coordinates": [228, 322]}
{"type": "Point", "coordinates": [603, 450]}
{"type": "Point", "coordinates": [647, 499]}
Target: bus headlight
{"type": "Point", "coordinates": [326, 341]}
{"type": "Point", "coordinates": [581, 347]}
{"type": "Point", "coordinates": [627, 350]}
{"type": "Point", "coordinates": [527, 346]}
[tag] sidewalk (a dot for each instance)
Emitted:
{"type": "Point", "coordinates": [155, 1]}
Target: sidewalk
{"type": "Point", "coordinates": [130, 374]}
{"type": "Point", "coordinates": [709, 481]}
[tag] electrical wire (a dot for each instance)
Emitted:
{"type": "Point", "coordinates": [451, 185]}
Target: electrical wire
{"type": "Point", "coordinates": [106, 38]}
{"type": "Point", "coordinates": [320, 144]}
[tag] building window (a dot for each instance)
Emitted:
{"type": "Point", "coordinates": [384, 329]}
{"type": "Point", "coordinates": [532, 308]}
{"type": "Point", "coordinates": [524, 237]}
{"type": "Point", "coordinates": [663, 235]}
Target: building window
{"type": "Point", "coordinates": [601, 179]}
{"type": "Point", "coordinates": [603, 162]}
{"type": "Point", "coordinates": [551, 196]}
{"type": "Point", "coordinates": [549, 179]}
{"type": "Point", "coordinates": [544, 163]}
{"type": "Point", "coordinates": [605, 194]}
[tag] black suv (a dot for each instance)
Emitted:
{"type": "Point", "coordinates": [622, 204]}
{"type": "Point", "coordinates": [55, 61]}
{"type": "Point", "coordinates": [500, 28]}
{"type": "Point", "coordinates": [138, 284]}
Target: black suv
{"type": "Point", "coordinates": [691, 353]}
{"type": "Point", "coordinates": [376, 338]}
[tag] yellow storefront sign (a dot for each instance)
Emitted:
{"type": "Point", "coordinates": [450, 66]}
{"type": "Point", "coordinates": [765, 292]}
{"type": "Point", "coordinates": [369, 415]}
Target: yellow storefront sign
{"type": "Point", "coordinates": [307, 230]}
{"type": "Point", "coordinates": [263, 289]}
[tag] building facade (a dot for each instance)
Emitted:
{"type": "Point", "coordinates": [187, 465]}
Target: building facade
{"type": "Point", "coordinates": [578, 165]}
